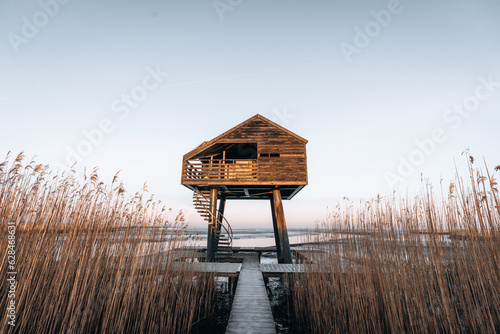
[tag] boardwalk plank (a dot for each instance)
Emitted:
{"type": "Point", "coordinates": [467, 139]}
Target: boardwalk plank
{"type": "Point", "coordinates": [251, 311]}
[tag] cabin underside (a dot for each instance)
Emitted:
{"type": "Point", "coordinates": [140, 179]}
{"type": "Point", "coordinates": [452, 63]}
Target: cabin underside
{"type": "Point", "coordinates": [250, 192]}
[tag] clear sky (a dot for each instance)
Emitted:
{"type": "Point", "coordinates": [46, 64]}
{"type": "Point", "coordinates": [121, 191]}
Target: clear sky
{"type": "Point", "coordinates": [383, 90]}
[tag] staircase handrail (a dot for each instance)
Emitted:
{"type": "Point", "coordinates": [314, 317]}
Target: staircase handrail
{"type": "Point", "coordinates": [228, 229]}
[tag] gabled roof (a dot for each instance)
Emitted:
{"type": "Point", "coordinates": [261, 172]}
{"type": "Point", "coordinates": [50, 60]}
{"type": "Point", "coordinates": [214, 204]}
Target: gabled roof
{"type": "Point", "coordinates": [209, 143]}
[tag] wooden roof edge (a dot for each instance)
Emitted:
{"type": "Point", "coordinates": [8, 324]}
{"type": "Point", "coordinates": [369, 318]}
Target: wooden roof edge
{"type": "Point", "coordinates": [209, 143]}
{"type": "Point", "coordinates": [281, 128]}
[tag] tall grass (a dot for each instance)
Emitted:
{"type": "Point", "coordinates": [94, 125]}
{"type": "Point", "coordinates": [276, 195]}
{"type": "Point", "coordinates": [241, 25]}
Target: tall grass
{"type": "Point", "coordinates": [90, 260]}
{"type": "Point", "coordinates": [408, 266]}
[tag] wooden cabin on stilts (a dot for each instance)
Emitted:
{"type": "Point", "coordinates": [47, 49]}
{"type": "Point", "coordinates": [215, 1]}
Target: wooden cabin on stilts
{"type": "Point", "coordinates": [256, 160]}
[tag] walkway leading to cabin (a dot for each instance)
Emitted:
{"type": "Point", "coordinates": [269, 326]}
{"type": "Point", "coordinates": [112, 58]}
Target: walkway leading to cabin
{"type": "Point", "coordinates": [251, 311]}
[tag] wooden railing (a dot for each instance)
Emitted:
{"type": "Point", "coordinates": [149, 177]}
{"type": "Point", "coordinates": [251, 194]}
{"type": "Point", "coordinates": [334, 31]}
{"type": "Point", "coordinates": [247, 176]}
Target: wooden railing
{"type": "Point", "coordinates": [239, 169]}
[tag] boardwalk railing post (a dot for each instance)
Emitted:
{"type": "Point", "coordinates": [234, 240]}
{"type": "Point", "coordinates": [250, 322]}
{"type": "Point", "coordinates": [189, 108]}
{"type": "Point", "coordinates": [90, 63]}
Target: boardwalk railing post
{"type": "Point", "coordinates": [280, 231]}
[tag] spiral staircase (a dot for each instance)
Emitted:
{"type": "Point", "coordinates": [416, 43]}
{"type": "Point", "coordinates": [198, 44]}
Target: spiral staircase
{"type": "Point", "coordinates": [223, 231]}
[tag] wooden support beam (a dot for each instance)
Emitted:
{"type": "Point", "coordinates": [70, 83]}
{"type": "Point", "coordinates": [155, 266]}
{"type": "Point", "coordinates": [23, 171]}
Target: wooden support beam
{"type": "Point", "coordinates": [222, 206]}
{"type": "Point", "coordinates": [299, 188]}
{"type": "Point", "coordinates": [212, 226]}
{"type": "Point", "coordinates": [220, 217]}
{"type": "Point", "coordinates": [276, 234]}
{"type": "Point", "coordinates": [280, 231]}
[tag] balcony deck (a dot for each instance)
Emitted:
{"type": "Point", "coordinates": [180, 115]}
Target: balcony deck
{"type": "Point", "coordinates": [242, 178]}
{"type": "Point", "coordinates": [196, 171]}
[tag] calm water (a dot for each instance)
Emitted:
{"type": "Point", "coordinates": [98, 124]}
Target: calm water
{"type": "Point", "coordinates": [253, 237]}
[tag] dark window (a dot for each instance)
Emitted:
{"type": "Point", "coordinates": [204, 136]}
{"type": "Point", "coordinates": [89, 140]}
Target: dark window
{"type": "Point", "coordinates": [242, 151]}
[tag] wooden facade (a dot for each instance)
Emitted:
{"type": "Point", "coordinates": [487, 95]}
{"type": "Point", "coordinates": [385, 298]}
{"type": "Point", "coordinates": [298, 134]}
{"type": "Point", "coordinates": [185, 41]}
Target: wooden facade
{"type": "Point", "coordinates": [257, 159]}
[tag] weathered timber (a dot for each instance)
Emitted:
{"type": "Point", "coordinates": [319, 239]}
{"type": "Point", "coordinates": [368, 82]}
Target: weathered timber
{"type": "Point", "coordinates": [220, 216]}
{"type": "Point", "coordinates": [279, 270]}
{"type": "Point", "coordinates": [218, 269]}
{"type": "Point", "coordinates": [280, 231]}
{"type": "Point", "coordinates": [212, 226]}
{"type": "Point", "coordinates": [255, 152]}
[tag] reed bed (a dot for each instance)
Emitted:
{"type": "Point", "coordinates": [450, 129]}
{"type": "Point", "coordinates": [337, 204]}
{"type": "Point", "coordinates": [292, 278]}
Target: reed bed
{"type": "Point", "coordinates": [90, 260]}
{"type": "Point", "coordinates": [424, 265]}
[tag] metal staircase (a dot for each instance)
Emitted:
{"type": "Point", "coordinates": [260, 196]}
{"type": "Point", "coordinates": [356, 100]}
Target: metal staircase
{"type": "Point", "coordinates": [223, 231]}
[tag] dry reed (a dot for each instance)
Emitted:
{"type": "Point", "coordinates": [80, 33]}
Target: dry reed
{"type": "Point", "coordinates": [90, 260]}
{"type": "Point", "coordinates": [408, 266]}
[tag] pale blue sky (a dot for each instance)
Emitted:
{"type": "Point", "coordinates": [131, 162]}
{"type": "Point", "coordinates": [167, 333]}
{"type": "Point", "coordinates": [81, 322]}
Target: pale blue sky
{"type": "Point", "coordinates": [267, 57]}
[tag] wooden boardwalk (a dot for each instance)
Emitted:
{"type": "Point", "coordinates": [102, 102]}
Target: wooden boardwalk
{"type": "Point", "coordinates": [275, 269]}
{"type": "Point", "coordinates": [251, 311]}
{"type": "Point", "coordinates": [218, 269]}
{"type": "Point", "coordinates": [278, 270]}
